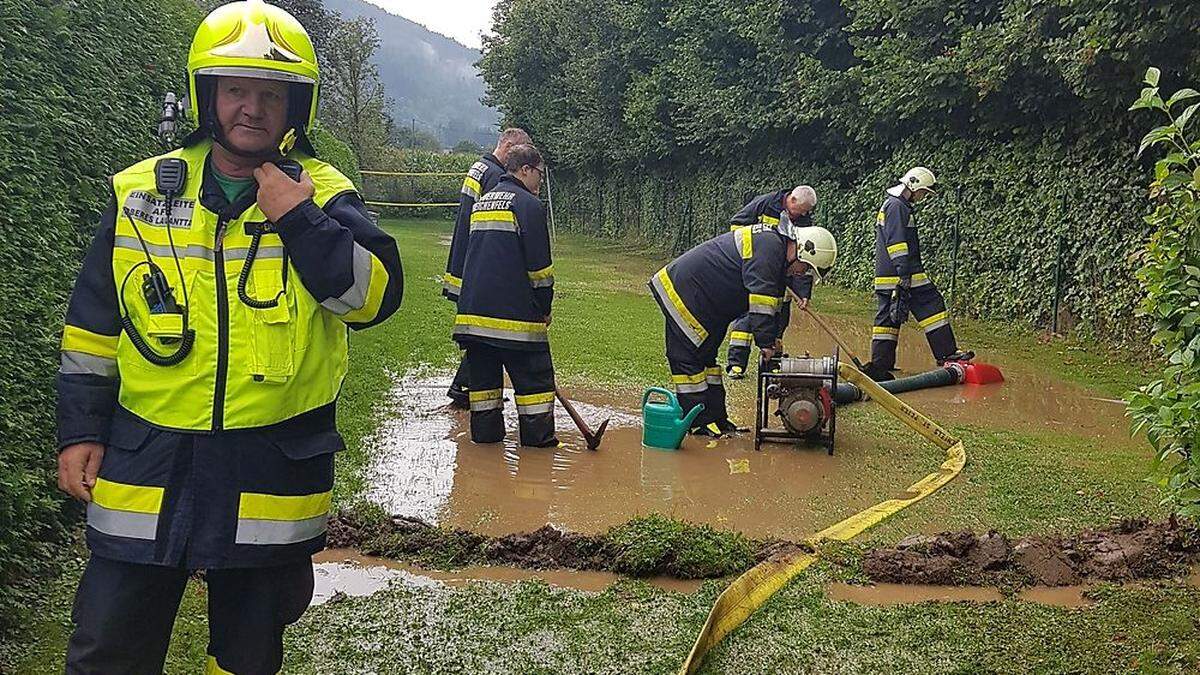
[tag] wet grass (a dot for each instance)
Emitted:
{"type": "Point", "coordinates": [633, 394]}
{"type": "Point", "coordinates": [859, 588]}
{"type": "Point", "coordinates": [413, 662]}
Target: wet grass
{"type": "Point", "coordinates": [608, 333]}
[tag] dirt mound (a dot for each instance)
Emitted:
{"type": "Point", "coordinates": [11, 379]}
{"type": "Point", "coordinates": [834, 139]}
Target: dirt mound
{"type": "Point", "coordinates": [1133, 549]}
{"type": "Point", "coordinates": [647, 546]}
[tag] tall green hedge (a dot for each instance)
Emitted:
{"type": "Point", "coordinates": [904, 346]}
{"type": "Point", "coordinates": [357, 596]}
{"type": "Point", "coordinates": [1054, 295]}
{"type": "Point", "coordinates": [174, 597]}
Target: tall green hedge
{"type": "Point", "coordinates": [660, 116]}
{"type": "Point", "coordinates": [1008, 221]}
{"type": "Point", "coordinates": [81, 83]}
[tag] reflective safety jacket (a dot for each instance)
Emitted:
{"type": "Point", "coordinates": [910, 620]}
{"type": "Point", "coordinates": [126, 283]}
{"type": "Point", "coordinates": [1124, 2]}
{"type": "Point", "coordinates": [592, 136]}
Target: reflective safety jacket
{"type": "Point", "coordinates": [481, 178]}
{"type": "Point", "coordinates": [508, 282]}
{"type": "Point", "coordinates": [227, 455]}
{"type": "Point", "coordinates": [897, 246]}
{"type": "Point", "coordinates": [763, 209]}
{"type": "Point", "coordinates": [723, 278]}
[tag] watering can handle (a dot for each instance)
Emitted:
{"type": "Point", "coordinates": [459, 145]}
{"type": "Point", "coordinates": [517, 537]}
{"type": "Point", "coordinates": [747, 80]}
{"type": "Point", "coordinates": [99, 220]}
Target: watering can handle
{"type": "Point", "coordinates": [670, 395]}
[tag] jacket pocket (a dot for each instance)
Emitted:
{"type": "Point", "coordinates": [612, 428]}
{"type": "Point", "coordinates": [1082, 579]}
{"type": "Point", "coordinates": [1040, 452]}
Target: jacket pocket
{"type": "Point", "coordinates": [307, 446]}
{"type": "Point", "coordinates": [273, 331]}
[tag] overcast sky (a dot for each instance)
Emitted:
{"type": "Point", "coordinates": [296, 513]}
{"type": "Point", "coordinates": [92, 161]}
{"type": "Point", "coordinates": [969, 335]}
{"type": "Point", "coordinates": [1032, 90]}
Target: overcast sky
{"type": "Point", "coordinates": [462, 20]}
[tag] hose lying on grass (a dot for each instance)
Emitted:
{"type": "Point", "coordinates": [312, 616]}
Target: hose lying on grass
{"type": "Point", "coordinates": [749, 591]}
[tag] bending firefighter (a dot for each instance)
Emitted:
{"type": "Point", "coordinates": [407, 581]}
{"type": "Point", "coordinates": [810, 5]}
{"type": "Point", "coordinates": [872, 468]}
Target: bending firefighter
{"type": "Point", "coordinates": [744, 271]}
{"type": "Point", "coordinates": [204, 348]}
{"type": "Point", "coordinates": [482, 177]}
{"type": "Point", "coordinates": [797, 206]}
{"type": "Point", "coordinates": [901, 284]}
{"type": "Point", "coordinates": [504, 307]}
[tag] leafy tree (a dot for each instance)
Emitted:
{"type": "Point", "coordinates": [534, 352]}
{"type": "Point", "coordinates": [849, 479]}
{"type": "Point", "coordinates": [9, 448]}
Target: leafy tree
{"type": "Point", "coordinates": [1169, 408]}
{"type": "Point", "coordinates": [353, 102]}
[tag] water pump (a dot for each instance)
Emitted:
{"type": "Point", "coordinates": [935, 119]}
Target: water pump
{"type": "Point", "coordinates": [801, 391]}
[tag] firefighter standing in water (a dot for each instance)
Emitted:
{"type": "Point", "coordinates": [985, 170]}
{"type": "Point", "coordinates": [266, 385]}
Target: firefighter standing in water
{"type": "Point", "coordinates": [743, 271]}
{"type": "Point", "coordinates": [481, 178]}
{"type": "Point", "coordinates": [901, 284]}
{"type": "Point", "coordinates": [505, 302]}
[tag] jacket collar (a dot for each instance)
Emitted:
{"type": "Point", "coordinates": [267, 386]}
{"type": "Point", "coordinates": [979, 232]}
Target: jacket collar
{"type": "Point", "coordinates": [513, 181]}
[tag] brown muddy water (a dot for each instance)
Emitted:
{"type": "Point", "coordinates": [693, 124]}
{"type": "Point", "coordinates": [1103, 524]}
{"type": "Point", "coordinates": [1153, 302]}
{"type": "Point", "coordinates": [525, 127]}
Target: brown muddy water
{"type": "Point", "coordinates": [427, 467]}
{"type": "Point", "coordinates": [353, 574]}
{"type": "Point", "coordinates": [883, 595]}
{"type": "Point", "coordinates": [1028, 400]}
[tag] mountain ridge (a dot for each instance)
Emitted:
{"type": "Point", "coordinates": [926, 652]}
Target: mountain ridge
{"type": "Point", "coordinates": [431, 78]}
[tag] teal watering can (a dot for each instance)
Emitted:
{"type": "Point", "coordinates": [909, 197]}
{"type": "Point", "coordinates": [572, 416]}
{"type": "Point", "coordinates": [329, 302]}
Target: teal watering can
{"type": "Point", "coordinates": [663, 422]}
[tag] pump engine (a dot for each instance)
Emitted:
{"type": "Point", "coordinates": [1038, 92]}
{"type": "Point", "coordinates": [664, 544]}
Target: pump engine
{"type": "Point", "coordinates": [800, 389]}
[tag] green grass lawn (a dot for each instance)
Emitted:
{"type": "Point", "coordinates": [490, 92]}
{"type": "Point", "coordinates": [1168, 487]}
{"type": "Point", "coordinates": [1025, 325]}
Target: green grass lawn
{"type": "Point", "coordinates": [607, 333]}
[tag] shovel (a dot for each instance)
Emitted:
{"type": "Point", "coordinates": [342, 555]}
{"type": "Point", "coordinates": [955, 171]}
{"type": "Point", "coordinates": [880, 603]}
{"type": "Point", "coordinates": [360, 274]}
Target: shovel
{"type": "Point", "coordinates": [593, 440]}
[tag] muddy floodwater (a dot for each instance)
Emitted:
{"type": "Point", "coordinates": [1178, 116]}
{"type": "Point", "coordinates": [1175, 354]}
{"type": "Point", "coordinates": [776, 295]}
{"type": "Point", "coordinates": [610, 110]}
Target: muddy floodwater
{"type": "Point", "coordinates": [426, 466]}
{"type": "Point", "coordinates": [1029, 399]}
{"type": "Point", "coordinates": [350, 573]}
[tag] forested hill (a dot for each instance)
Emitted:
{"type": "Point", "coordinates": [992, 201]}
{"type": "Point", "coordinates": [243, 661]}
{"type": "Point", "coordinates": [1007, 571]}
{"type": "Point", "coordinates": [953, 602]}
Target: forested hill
{"type": "Point", "coordinates": [428, 76]}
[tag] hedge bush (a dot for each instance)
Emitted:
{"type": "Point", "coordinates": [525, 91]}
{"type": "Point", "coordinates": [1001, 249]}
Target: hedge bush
{"type": "Point", "coordinates": [418, 189]}
{"type": "Point", "coordinates": [80, 93]}
{"type": "Point", "coordinates": [81, 83]}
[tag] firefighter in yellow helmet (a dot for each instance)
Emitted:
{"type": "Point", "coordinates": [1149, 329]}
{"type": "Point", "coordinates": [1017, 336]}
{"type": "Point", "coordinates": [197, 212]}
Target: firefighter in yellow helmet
{"type": "Point", "coordinates": [204, 348]}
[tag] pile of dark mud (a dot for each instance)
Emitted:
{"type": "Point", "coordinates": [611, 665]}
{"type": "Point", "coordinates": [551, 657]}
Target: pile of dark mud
{"type": "Point", "coordinates": [643, 547]}
{"type": "Point", "coordinates": [1132, 549]}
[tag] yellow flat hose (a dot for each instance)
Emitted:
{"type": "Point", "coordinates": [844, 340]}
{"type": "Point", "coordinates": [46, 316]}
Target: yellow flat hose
{"type": "Point", "coordinates": [753, 588]}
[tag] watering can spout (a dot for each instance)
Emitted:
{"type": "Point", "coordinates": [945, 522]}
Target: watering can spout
{"type": "Point", "coordinates": [691, 416]}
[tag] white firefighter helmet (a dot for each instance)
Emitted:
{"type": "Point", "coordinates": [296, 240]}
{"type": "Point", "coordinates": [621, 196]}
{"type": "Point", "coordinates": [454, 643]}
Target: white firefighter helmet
{"type": "Point", "coordinates": [919, 178]}
{"type": "Point", "coordinates": [814, 245]}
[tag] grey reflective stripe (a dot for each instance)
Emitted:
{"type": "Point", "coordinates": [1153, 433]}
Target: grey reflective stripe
{"type": "Point", "coordinates": [355, 296]}
{"type": "Point", "coordinates": [536, 408]}
{"type": "Point", "coordinates": [489, 404]}
{"type": "Point", "coordinates": [762, 309]}
{"type": "Point", "coordinates": [898, 254]}
{"type": "Point", "coordinates": [468, 190]}
{"type": "Point", "coordinates": [498, 333]}
{"type": "Point", "coordinates": [122, 523]}
{"type": "Point", "coordinates": [673, 311]}
{"type": "Point", "coordinates": [715, 380]}
{"type": "Point", "coordinates": [252, 531]}
{"type": "Point", "coordinates": [548, 282]}
{"type": "Point", "coordinates": [934, 326]}
{"type": "Point", "coordinates": [493, 225]}
{"type": "Point", "coordinates": [189, 251]}
{"type": "Point", "coordinates": [886, 337]}
{"type": "Point", "coordinates": [78, 363]}
{"type": "Point", "coordinates": [264, 253]}
{"type": "Point", "coordinates": [738, 342]}
{"type": "Point", "coordinates": [687, 388]}
{"type": "Point", "coordinates": [886, 286]}
{"type": "Point", "coordinates": [450, 289]}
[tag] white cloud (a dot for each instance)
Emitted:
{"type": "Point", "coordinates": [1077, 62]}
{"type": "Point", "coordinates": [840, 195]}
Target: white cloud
{"type": "Point", "coordinates": [463, 20]}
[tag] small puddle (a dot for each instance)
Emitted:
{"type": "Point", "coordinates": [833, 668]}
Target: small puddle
{"type": "Point", "coordinates": [1027, 399]}
{"type": "Point", "coordinates": [883, 595]}
{"type": "Point", "coordinates": [354, 574]}
{"type": "Point", "coordinates": [1058, 596]}
{"type": "Point", "coordinates": [906, 594]}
